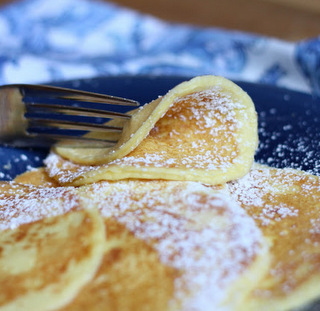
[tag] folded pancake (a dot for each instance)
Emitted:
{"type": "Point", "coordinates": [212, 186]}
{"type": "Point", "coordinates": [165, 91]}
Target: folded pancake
{"type": "Point", "coordinates": [134, 131]}
{"type": "Point", "coordinates": [207, 133]}
{"type": "Point", "coordinates": [44, 264]}
{"type": "Point", "coordinates": [172, 246]}
{"type": "Point", "coordinates": [285, 203]}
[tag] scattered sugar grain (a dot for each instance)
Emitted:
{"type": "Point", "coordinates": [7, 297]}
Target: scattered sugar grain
{"type": "Point", "coordinates": [23, 157]}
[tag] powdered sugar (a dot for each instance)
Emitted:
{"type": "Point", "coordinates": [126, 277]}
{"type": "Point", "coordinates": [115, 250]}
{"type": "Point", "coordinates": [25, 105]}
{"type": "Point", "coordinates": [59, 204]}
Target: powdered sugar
{"type": "Point", "coordinates": [288, 140]}
{"type": "Point", "coordinates": [21, 204]}
{"type": "Point", "coordinates": [200, 232]}
{"type": "Point", "coordinates": [276, 213]}
{"type": "Point", "coordinates": [259, 188]}
{"type": "Point", "coordinates": [208, 107]}
{"type": "Point", "coordinates": [65, 171]}
{"type": "Point", "coordinates": [16, 161]}
{"type": "Point", "coordinates": [315, 226]}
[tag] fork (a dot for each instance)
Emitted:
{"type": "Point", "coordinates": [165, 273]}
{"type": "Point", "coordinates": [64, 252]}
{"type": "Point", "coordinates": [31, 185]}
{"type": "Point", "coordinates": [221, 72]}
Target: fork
{"type": "Point", "coordinates": [41, 115]}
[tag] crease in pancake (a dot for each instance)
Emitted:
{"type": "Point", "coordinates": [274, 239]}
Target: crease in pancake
{"type": "Point", "coordinates": [285, 203]}
{"type": "Point", "coordinates": [217, 251]}
{"type": "Point", "coordinates": [207, 132]}
{"type": "Point", "coordinates": [44, 264]}
{"type": "Point", "coordinates": [134, 131]}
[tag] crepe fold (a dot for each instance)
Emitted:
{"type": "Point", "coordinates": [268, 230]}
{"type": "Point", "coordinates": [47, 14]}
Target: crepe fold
{"type": "Point", "coordinates": [202, 130]}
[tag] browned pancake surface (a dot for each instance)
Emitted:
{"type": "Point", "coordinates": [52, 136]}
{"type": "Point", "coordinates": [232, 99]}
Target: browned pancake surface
{"type": "Point", "coordinates": [44, 264]}
{"type": "Point", "coordinates": [286, 206]}
{"type": "Point", "coordinates": [204, 243]}
{"type": "Point", "coordinates": [36, 177]}
{"type": "Point", "coordinates": [131, 276]}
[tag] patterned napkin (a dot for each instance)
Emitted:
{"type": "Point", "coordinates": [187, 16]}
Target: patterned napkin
{"type": "Point", "coordinates": [45, 40]}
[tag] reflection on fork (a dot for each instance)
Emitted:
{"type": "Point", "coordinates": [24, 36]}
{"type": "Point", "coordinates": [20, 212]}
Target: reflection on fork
{"type": "Point", "coordinates": [40, 115]}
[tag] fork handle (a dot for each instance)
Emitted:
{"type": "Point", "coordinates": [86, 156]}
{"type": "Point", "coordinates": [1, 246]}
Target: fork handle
{"type": "Point", "coordinates": [12, 121]}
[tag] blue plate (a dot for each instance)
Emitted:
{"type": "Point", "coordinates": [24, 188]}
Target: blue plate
{"type": "Point", "coordinates": [289, 121]}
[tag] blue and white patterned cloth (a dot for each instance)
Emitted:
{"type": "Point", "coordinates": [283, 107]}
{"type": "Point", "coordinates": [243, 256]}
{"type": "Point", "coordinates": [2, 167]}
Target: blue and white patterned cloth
{"type": "Point", "coordinates": [45, 40]}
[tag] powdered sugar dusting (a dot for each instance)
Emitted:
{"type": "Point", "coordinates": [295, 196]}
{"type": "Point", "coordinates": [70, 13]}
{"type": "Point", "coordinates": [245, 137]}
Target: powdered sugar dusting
{"type": "Point", "coordinates": [289, 139]}
{"type": "Point", "coordinates": [21, 204]}
{"type": "Point", "coordinates": [207, 108]}
{"type": "Point", "coordinates": [261, 186]}
{"type": "Point", "coordinates": [208, 238]}
{"type": "Point", "coordinates": [199, 131]}
{"type": "Point", "coordinates": [65, 171]}
{"type": "Point", "coordinates": [285, 203]}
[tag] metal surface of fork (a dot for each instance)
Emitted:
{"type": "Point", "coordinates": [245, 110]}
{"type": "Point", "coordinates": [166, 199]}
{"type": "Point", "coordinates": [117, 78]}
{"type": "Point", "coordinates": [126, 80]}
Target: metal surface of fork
{"type": "Point", "coordinates": [29, 119]}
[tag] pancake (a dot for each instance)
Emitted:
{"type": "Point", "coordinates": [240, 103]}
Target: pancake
{"type": "Point", "coordinates": [21, 203]}
{"type": "Point", "coordinates": [44, 264]}
{"type": "Point", "coordinates": [285, 204]}
{"type": "Point", "coordinates": [207, 133]}
{"type": "Point", "coordinates": [172, 246]}
{"type": "Point", "coordinates": [131, 276]}
{"type": "Point", "coordinates": [36, 177]}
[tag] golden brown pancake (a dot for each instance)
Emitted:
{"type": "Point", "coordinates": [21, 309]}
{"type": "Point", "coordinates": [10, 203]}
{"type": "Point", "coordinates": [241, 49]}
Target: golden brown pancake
{"type": "Point", "coordinates": [44, 264]}
{"type": "Point", "coordinates": [285, 203]}
{"type": "Point", "coordinates": [208, 133]}
{"type": "Point", "coordinates": [131, 276]}
{"type": "Point", "coordinates": [172, 246]}
{"type": "Point", "coordinates": [36, 177]}
{"type": "Point", "coordinates": [21, 204]}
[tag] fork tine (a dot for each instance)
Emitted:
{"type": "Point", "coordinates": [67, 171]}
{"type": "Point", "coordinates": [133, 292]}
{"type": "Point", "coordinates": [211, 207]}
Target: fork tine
{"type": "Point", "coordinates": [26, 122]}
{"type": "Point", "coordinates": [73, 125]}
{"type": "Point", "coordinates": [45, 140]}
{"type": "Point", "coordinates": [71, 141]}
{"type": "Point", "coordinates": [71, 94]}
{"type": "Point", "coordinates": [75, 111]}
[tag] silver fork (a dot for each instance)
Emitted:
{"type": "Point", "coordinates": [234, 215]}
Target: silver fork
{"type": "Point", "coordinates": [28, 119]}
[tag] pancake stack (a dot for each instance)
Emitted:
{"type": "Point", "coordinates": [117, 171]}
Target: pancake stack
{"type": "Point", "coordinates": [177, 216]}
